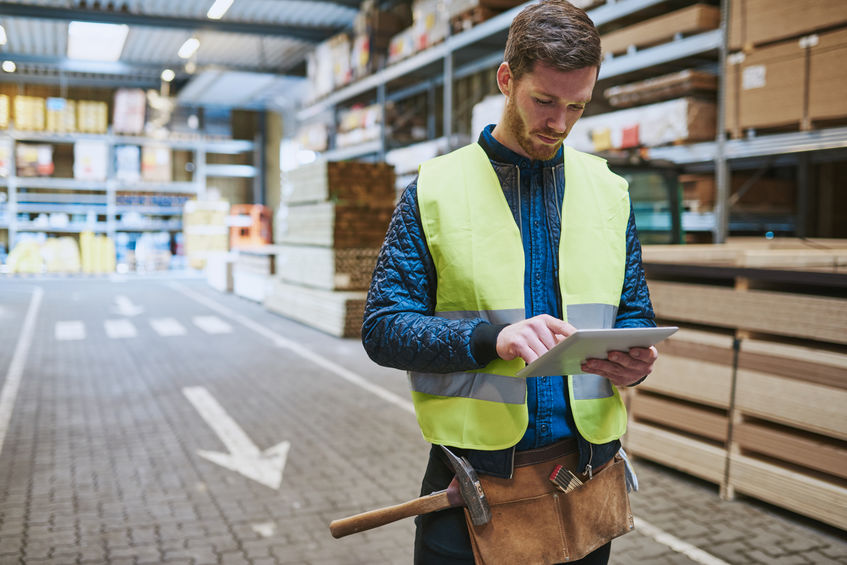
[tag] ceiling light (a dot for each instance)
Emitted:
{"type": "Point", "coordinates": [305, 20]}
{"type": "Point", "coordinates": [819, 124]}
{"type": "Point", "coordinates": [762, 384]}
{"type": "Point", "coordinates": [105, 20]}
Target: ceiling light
{"type": "Point", "coordinates": [168, 75]}
{"type": "Point", "coordinates": [189, 48]}
{"type": "Point", "coordinates": [9, 66]}
{"type": "Point", "coordinates": [218, 9]}
{"type": "Point", "coordinates": [96, 42]}
{"type": "Point", "coordinates": [2, 35]}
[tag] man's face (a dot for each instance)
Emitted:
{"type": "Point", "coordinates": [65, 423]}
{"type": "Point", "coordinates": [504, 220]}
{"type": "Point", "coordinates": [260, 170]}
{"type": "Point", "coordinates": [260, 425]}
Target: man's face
{"type": "Point", "coordinates": [542, 107]}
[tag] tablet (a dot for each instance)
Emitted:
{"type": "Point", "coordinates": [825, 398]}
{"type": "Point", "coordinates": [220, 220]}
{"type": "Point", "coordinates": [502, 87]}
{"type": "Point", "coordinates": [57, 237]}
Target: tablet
{"type": "Point", "coordinates": [567, 356]}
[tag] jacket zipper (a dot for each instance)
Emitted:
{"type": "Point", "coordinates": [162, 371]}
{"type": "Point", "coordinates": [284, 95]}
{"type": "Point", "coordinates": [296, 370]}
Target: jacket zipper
{"type": "Point", "coordinates": [588, 471]}
{"type": "Point", "coordinates": [520, 219]}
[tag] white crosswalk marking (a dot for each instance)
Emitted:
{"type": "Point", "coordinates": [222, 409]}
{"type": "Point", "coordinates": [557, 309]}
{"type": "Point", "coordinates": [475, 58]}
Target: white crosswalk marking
{"type": "Point", "coordinates": [119, 329]}
{"type": "Point", "coordinates": [69, 330]}
{"type": "Point", "coordinates": [167, 327]}
{"type": "Point", "coordinates": [212, 324]}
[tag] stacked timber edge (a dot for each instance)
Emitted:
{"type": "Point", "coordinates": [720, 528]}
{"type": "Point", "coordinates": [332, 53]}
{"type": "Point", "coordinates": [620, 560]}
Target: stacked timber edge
{"type": "Point", "coordinates": [750, 393]}
{"type": "Point", "coordinates": [333, 221]}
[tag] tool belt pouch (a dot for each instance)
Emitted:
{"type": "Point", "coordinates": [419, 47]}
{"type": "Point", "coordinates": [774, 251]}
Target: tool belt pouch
{"type": "Point", "coordinates": [534, 522]}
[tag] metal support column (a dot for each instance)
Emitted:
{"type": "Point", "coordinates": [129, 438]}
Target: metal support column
{"type": "Point", "coordinates": [380, 100]}
{"type": "Point", "coordinates": [803, 194]}
{"type": "Point", "coordinates": [448, 95]}
{"type": "Point", "coordinates": [430, 111]}
{"type": "Point", "coordinates": [722, 183]}
{"type": "Point", "coordinates": [259, 184]}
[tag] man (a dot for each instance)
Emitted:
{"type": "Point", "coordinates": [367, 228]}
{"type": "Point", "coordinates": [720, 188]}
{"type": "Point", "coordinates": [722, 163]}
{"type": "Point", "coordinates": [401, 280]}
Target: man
{"type": "Point", "coordinates": [490, 249]}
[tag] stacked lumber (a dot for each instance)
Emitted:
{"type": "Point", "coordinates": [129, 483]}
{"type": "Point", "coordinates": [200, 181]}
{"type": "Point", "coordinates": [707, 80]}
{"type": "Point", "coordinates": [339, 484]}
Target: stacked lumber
{"type": "Point", "coordinates": [752, 399]}
{"type": "Point", "coordinates": [332, 224]}
{"type": "Point", "coordinates": [252, 271]}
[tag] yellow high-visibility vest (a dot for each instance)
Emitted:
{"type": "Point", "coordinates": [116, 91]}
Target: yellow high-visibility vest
{"type": "Point", "coordinates": [479, 261]}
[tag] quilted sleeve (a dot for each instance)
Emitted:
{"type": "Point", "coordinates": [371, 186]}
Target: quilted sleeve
{"type": "Point", "coordinates": [635, 308]}
{"type": "Point", "coordinates": [399, 328]}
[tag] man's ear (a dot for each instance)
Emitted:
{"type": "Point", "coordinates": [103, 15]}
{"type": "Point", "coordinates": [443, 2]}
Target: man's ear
{"type": "Point", "coordinates": [504, 79]}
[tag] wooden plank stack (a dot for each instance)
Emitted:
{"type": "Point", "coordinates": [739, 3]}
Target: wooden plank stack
{"type": "Point", "coordinates": [753, 398]}
{"type": "Point", "coordinates": [333, 222]}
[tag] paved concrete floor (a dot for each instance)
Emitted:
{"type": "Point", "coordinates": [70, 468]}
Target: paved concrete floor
{"type": "Point", "coordinates": [117, 393]}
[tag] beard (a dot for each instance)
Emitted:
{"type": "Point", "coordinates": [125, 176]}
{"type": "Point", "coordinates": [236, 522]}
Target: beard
{"type": "Point", "coordinates": [533, 147]}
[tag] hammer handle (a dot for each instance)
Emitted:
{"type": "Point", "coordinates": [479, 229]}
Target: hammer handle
{"type": "Point", "coordinates": [381, 516]}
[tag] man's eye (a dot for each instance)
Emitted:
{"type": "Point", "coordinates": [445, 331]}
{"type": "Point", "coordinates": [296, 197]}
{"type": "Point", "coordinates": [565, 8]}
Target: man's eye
{"type": "Point", "coordinates": [576, 107]}
{"type": "Point", "coordinates": [541, 102]}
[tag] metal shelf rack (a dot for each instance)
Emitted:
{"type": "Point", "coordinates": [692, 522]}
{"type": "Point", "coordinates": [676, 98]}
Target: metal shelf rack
{"type": "Point", "coordinates": [65, 200]}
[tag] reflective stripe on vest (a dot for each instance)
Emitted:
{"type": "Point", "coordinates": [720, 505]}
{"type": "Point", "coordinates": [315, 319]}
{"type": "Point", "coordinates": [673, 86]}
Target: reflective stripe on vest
{"type": "Point", "coordinates": [478, 255]}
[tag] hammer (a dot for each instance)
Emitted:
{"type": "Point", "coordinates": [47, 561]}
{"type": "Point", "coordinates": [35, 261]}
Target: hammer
{"type": "Point", "coordinates": [464, 490]}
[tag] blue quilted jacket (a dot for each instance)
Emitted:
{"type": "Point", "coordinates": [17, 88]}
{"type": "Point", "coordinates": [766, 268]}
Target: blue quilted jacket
{"type": "Point", "coordinates": [400, 330]}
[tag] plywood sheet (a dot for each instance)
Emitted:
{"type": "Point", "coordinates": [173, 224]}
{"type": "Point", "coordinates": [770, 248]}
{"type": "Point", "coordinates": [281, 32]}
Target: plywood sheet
{"type": "Point", "coordinates": [323, 267]}
{"type": "Point", "coordinates": [802, 450]}
{"type": "Point", "coordinates": [681, 416]}
{"type": "Point", "coordinates": [801, 493]}
{"type": "Point", "coordinates": [698, 458]}
{"type": "Point", "coordinates": [335, 312]}
{"type": "Point", "coordinates": [800, 404]}
{"type": "Point", "coordinates": [693, 19]}
{"type": "Point", "coordinates": [781, 313]}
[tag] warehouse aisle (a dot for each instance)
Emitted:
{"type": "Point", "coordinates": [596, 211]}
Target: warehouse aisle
{"type": "Point", "coordinates": [157, 421]}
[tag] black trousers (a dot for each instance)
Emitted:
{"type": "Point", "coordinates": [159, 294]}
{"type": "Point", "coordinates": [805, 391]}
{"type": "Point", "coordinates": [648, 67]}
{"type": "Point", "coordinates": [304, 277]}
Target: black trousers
{"type": "Point", "coordinates": [441, 538]}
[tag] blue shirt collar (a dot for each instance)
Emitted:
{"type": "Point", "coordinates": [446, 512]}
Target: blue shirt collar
{"type": "Point", "coordinates": [498, 152]}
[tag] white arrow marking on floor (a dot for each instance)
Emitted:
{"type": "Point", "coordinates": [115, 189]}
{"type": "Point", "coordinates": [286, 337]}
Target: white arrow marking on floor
{"type": "Point", "coordinates": [119, 329]}
{"type": "Point", "coordinates": [298, 349]}
{"type": "Point", "coordinates": [167, 327]}
{"type": "Point", "coordinates": [16, 367]}
{"type": "Point", "coordinates": [646, 528]}
{"type": "Point", "coordinates": [244, 457]}
{"type": "Point", "coordinates": [212, 325]}
{"type": "Point", "coordinates": [125, 307]}
{"type": "Point", "coordinates": [692, 552]}
{"type": "Point", "coordinates": [69, 330]}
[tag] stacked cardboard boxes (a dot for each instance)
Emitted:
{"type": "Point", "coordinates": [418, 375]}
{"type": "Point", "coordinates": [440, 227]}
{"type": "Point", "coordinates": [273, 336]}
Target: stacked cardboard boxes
{"type": "Point", "coordinates": [789, 72]}
{"type": "Point", "coordinates": [334, 221]}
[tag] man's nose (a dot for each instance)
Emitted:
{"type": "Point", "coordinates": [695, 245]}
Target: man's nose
{"type": "Point", "coordinates": [558, 121]}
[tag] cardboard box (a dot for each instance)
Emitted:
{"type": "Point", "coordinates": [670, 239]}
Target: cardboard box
{"type": "Point", "coordinates": [34, 160]}
{"type": "Point", "coordinates": [673, 121]}
{"type": "Point", "coordinates": [91, 160]}
{"type": "Point", "coordinates": [756, 22]}
{"type": "Point", "coordinates": [61, 115]}
{"type": "Point", "coordinates": [4, 111]}
{"type": "Point", "coordinates": [92, 116]}
{"type": "Point", "coordinates": [698, 192]}
{"type": "Point", "coordinates": [156, 163]}
{"type": "Point", "coordinates": [128, 114]}
{"type": "Point", "coordinates": [828, 76]}
{"type": "Point", "coordinates": [765, 88]}
{"type": "Point", "coordinates": [693, 19]}
{"type": "Point", "coordinates": [30, 113]}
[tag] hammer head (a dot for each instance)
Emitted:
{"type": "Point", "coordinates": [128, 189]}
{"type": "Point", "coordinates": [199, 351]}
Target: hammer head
{"type": "Point", "coordinates": [470, 489]}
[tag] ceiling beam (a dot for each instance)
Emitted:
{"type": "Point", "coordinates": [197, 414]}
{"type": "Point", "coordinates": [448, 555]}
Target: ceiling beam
{"type": "Point", "coordinates": [306, 34]}
{"type": "Point", "coordinates": [120, 68]}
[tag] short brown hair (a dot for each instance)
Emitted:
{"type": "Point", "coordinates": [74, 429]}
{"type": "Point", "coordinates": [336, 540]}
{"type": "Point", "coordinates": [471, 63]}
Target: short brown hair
{"type": "Point", "coordinates": [553, 32]}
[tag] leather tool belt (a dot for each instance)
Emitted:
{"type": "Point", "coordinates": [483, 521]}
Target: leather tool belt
{"type": "Point", "coordinates": [534, 522]}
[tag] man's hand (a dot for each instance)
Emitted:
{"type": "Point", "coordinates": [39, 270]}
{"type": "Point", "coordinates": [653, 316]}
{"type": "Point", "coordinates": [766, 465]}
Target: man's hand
{"type": "Point", "coordinates": [623, 369]}
{"type": "Point", "coordinates": [531, 338]}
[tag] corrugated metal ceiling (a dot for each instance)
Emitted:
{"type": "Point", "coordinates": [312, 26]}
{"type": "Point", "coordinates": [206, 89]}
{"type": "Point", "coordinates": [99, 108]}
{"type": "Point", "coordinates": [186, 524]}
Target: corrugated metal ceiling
{"type": "Point", "coordinates": [40, 45]}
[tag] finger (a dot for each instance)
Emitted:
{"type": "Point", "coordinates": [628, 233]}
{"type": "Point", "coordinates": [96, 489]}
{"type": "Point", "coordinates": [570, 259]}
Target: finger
{"type": "Point", "coordinates": [558, 326]}
{"type": "Point", "coordinates": [613, 371]}
{"type": "Point", "coordinates": [628, 361]}
{"type": "Point", "coordinates": [645, 354]}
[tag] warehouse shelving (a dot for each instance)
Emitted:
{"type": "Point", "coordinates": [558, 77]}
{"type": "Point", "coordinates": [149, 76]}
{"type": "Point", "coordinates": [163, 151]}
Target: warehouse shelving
{"type": "Point", "coordinates": [480, 48]}
{"type": "Point", "coordinates": [99, 197]}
